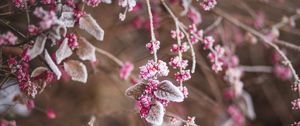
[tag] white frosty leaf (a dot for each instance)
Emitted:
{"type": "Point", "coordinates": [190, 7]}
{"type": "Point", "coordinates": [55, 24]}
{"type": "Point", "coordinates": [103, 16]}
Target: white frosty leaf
{"type": "Point", "coordinates": [63, 52]}
{"type": "Point", "coordinates": [156, 114]}
{"type": "Point", "coordinates": [67, 19]}
{"type": "Point", "coordinates": [10, 89]}
{"type": "Point", "coordinates": [52, 65]}
{"type": "Point", "coordinates": [89, 24]}
{"type": "Point", "coordinates": [38, 47]}
{"type": "Point", "coordinates": [186, 5]}
{"type": "Point", "coordinates": [136, 90]}
{"type": "Point", "coordinates": [106, 1]}
{"type": "Point", "coordinates": [168, 91]}
{"type": "Point", "coordinates": [38, 71]}
{"type": "Point", "coordinates": [76, 70]}
{"type": "Point", "coordinates": [246, 105]}
{"type": "Point", "coordinates": [86, 51]}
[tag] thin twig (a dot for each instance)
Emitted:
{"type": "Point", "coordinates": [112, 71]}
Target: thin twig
{"type": "Point", "coordinates": [110, 56]}
{"type": "Point", "coordinates": [262, 37]}
{"type": "Point", "coordinates": [258, 69]}
{"type": "Point", "coordinates": [153, 39]}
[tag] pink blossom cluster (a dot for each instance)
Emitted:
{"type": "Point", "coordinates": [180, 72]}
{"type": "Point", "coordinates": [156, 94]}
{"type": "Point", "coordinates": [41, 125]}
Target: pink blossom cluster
{"type": "Point", "coordinates": [196, 35]}
{"type": "Point", "coordinates": [48, 1]}
{"type": "Point", "coordinates": [296, 104]}
{"type": "Point", "coordinates": [176, 63]}
{"type": "Point", "coordinates": [296, 124]}
{"type": "Point", "coordinates": [72, 40]}
{"type": "Point", "coordinates": [281, 71]}
{"type": "Point", "coordinates": [150, 46]}
{"type": "Point", "coordinates": [236, 115]}
{"type": "Point", "coordinates": [93, 3]}
{"type": "Point", "coordinates": [183, 75]}
{"type": "Point", "coordinates": [216, 51]}
{"type": "Point", "coordinates": [182, 48]}
{"type": "Point", "coordinates": [48, 18]}
{"type": "Point", "coordinates": [18, 3]}
{"type": "Point", "coordinates": [7, 123]}
{"type": "Point", "coordinates": [208, 4]}
{"type": "Point", "coordinates": [126, 70]}
{"type": "Point", "coordinates": [8, 39]}
{"type": "Point", "coordinates": [152, 69]}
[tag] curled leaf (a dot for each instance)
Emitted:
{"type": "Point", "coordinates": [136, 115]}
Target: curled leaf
{"type": "Point", "coordinates": [76, 70]}
{"type": "Point", "coordinates": [52, 65]}
{"type": "Point", "coordinates": [38, 47]}
{"type": "Point", "coordinates": [168, 91]}
{"type": "Point", "coordinates": [86, 51]}
{"type": "Point", "coordinates": [186, 5]}
{"type": "Point", "coordinates": [63, 52]}
{"type": "Point", "coordinates": [89, 24]}
{"type": "Point", "coordinates": [246, 105]}
{"type": "Point", "coordinates": [156, 114]}
{"type": "Point", "coordinates": [38, 71]}
{"type": "Point", "coordinates": [136, 90]}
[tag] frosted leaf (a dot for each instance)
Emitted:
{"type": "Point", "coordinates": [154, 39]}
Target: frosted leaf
{"type": "Point", "coordinates": [156, 114]}
{"type": "Point", "coordinates": [76, 70]}
{"type": "Point", "coordinates": [106, 1]}
{"type": "Point", "coordinates": [38, 47]}
{"type": "Point", "coordinates": [67, 19]}
{"type": "Point", "coordinates": [8, 104]}
{"type": "Point", "coordinates": [89, 24]}
{"type": "Point", "coordinates": [136, 90]}
{"type": "Point", "coordinates": [52, 65]}
{"type": "Point", "coordinates": [86, 51]}
{"type": "Point", "coordinates": [63, 52]}
{"type": "Point", "coordinates": [246, 105]}
{"type": "Point", "coordinates": [168, 91]}
{"type": "Point", "coordinates": [38, 71]}
{"type": "Point", "coordinates": [186, 5]}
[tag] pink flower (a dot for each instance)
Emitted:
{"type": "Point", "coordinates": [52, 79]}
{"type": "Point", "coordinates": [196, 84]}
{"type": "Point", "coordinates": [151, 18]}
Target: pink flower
{"type": "Point", "coordinates": [12, 62]}
{"type": "Point", "coordinates": [194, 16]}
{"type": "Point", "coordinates": [18, 3]}
{"type": "Point", "coordinates": [260, 19]}
{"type": "Point", "coordinates": [236, 115]}
{"type": "Point", "coordinates": [282, 72]}
{"type": "Point", "coordinates": [137, 7]}
{"type": "Point", "coordinates": [152, 69]}
{"type": "Point", "coordinates": [296, 124]}
{"type": "Point", "coordinates": [208, 42]}
{"type": "Point", "coordinates": [208, 4]}
{"type": "Point", "coordinates": [183, 76]}
{"type": "Point", "coordinates": [150, 46]}
{"type": "Point", "coordinates": [296, 104]}
{"type": "Point", "coordinates": [72, 41]}
{"type": "Point", "coordinates": [176, 63]}
{"type": "Point", "coordinates": [47, 1]}
{"type": "Point", "coordinates": [30, 104]}
{"type": "Point", "coordinates": [32, 29]}
{"type": "Point", "coordinates": [126, 70]}
{"type": "Point", "coordinates": [229, 93]}
{"type": "Point", "coordinates": [48, 18]}
{"type": "Point", "coordinates": [50, 114]}
{"type": "Point", "coordinates": [8, 39]}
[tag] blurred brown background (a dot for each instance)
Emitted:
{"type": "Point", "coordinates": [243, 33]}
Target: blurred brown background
{"type": "Point", "coordinates": [103, 95]}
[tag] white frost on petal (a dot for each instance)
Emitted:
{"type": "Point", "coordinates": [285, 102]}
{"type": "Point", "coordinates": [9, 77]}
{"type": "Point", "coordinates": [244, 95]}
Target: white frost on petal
{"type": "Point", "coordinates": [67, 19]}
{"type": "Point", "coordinates": [38, 47]}
{"type": "Point", "coordinates": [63, 52]}
{"type": "Point", "coordinates": [156, 114]}
{"type": "Point", "coordinates": [52, 65]}
{"type": "Point", "coordinates": [86, 51]}
{"type": "Point", "coordinates": [89, 24]}
{"type": "Point", "coordinates": [168, 91]}
{"type": "Point", "coordinates": [76, 70]}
